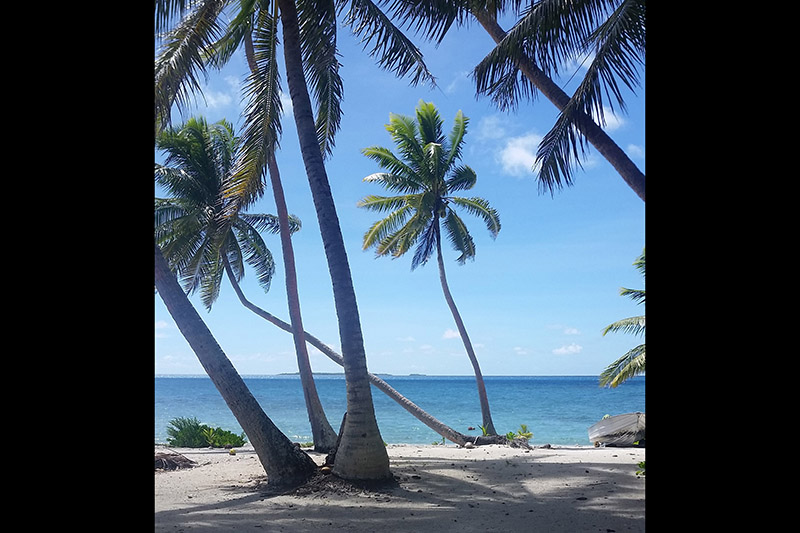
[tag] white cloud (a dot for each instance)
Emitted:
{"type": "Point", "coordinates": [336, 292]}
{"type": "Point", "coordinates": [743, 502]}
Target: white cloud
{"type": "Point", "coordinates": [161, 325]}
{"type": "Point", "coordinates": [568, 350]}
{"type": "Point", "coordinates": [571, 331]}
{"type": "Point", "coordinates": [635, 151]}
{"type": "Point", "coordinates": [459, 80]}
{"type": "Point", "coordinates": [286, 103]}
{"type": "Point", "coordinates": [518, 350]}
{"type": "Point", "coordinates": [451, 334]}
{"type": "Point", "coordinates": [519, 154]}
{"type": "Point", "coordinates": [491, 127]}
{"type": "Point", "coordinates": [406, 339]}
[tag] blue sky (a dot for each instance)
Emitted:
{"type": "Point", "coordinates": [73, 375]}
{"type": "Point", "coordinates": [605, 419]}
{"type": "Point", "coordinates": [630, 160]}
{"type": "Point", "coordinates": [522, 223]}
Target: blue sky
{"type": "Point", "coordinates": [535, 300]}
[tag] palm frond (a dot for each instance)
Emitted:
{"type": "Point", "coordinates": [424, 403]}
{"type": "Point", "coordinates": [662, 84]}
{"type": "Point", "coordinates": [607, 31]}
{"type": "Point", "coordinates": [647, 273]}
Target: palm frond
{"type": "Point", "coordinates": [317, 19]}
{"type": "Point", "coordinates": [405, 176]}
{"type": "Point", "coordinates": [629, 365]}
{"type": "Point", "coordinates": [384, 203]}
{"type": "Point", "coordinates": [166, 11]}
{"type": "Point", "coordinates": [456, 138]}
{"type": "Point", "coordinates": [180, 63]}
{"type": "Point", "coordinates": [481, 209]}
{"type": "Point", "coordinates": [256, 254]}
{"type": "Point", "coordinates": [633, 325]}
{"type": "Point", "coordinates": [262, 123]}
{"type": "Point", "coordinates": [378, 235]}
{"type": "Point", "coordinates": [431, 18]}
{"type": "Point", "coordinates": [430, 123]}
{"type": "Point", "coordinates": [462, 178]}
{"type": "Point", "coordinates": [405, 135]}
{"type": "Point", "coordinates": [426, 243]}
{"type": "Point", "coordinates": [459, 237]}
{"type": "Point", "coordinates": [392, 50]}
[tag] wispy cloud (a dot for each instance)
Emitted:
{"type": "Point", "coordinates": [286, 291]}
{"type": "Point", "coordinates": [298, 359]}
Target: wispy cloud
{"type": "Point", "coordinates": [518, 154]}
{"type": "Point", "coordinates": [160, 327]}
{"type": "Point", "coordinates": [451, 334]}
{"type": "Point", "coordinates": [568, 350]}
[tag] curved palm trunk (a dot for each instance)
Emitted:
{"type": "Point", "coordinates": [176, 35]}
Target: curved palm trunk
{"type": "Point", "coordinates": [594, 134]}
{"type": "Point", "coordinates": [420, 414]}
{"type": "Point", "coordinates": [488, 425]}
{"type": "Point", "coordinates": [322, 433]}
{"type": "Point", "coordinates": [285, 464]}
{"type": "Point", "coordinates": [361, 453]}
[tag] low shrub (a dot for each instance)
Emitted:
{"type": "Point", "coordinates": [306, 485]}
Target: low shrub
{"type": "Point", "coordinates": [190, 433]}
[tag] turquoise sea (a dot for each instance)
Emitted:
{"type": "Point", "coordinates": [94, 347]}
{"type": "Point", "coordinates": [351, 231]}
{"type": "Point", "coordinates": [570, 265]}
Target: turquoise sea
{"type": "Point", "coordinates": [557, 409]}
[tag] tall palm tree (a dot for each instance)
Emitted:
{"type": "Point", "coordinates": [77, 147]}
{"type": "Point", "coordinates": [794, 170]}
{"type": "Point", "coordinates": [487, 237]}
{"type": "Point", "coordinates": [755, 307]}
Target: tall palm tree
{"type": "Point", "coordinates": [309, 29]}
{"type": "Point", "coordinates": [285, 464]}
{"type": "Point", "coordinates": [427, 172]}
{"type": "Point", "coordinates": [201, 244]}
{"type": "Point", "coordinates": [527, 57]}
{"type": "Point", "coordinates": [633, 362]}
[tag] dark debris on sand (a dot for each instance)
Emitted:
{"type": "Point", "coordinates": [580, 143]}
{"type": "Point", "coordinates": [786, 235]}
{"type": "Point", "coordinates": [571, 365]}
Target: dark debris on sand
{"type": "Point", "coordinates": [172, 461]}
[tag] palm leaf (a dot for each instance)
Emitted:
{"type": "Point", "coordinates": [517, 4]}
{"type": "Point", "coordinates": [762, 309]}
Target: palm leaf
{"type": "Point", "coordinates": [180, 62]}
{"type": "Point", "coordinates": [629, 365]}
{"type": "Point", "coordinates": [459, 237]}
{"type": "Point", "coordinates": [383, 228]}
{"type": "Point", "coordinates": [481, 209]}
{"type": "Point", "coordinates": [262, 118]}
{"type": "Point", "coordinates": [633, 325]}
{"type": "Point", "coordinates": [317, 19]}
{"type": "Point", "coordinates": [456, 138]}
{"type": "Point", "coordinates": [461, 178]}
{"type": "Point", "coordinates": [391, 48]}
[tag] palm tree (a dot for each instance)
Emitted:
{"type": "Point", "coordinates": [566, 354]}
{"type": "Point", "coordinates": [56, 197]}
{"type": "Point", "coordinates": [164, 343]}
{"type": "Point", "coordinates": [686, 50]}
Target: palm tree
{"type": "Point", "coordinates": [201, 244]}
{"type": "Point", "coordinates": [549, 32]}
{"type": "Point", "coordinates": [285, 464]}
{"type": "Point", "coordinates": [309, 29]}
{"type": "Point", "coordinates": [632, 363]}
{"type": "Point", "coordinates": [426, 174]}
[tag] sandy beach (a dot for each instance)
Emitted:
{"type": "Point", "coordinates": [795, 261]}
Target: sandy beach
{"type": "Point", "coordinates": [437, 488]}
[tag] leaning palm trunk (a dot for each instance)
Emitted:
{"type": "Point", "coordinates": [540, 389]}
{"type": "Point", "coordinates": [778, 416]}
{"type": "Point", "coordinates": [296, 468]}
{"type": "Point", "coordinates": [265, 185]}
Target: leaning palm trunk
{"type": "Point", "coordinates": [420, 414]}
{"type": "Point", "coordinates": [361, 453]}
{"type": "Point", "coordinates": [594, 134]}
{"type": "Point", "coordinates": [323, 435]}
{"type": "Point", "coordinates": [488, 425]}
{"type": "Point", "coordinates": [285, 464]}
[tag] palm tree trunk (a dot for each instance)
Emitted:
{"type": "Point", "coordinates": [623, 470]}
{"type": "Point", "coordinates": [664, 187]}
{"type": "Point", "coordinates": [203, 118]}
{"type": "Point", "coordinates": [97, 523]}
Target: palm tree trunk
{"type": "Point", "coordinates": [324, 436]}
{"type": "Point", "coordinates": [420, 414]}
{"type": "Point", "coordinates": [361, 453]}
{"type": "Point", "coordinates": [486, 415]}
{"type": "Point", "coordinates": [322, 433]}
{"type": "Point", "coordinates": [285, 464]}
{"type": "Point", "coordinates": [594, 134]}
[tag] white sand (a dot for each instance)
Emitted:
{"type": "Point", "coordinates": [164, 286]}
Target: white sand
{"type": "Point", "coordinates": [439, 489]}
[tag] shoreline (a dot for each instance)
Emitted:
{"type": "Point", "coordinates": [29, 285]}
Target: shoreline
{"type": "Point", "coordinates": [438, 488]}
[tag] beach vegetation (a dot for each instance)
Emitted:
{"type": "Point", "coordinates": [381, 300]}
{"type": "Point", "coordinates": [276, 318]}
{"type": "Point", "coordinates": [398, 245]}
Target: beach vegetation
{"type": "Point", "coordinates": [426, 174]}
{"type": "Point", "coordinates": [632, 363]}
{"type": "Point", "coordinates": [188, 432]}
{"type": "Point", "coordinates": [284, 464]}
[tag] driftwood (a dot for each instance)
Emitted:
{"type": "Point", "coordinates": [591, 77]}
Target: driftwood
{"type": "Point", "coordinates": [172, 461]}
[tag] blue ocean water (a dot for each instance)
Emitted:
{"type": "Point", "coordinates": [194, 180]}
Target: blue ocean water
{"type": "Point", "coordinates": [557, 409]}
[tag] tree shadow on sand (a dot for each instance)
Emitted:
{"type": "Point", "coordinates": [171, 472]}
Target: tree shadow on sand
{"type": "Point", "coordinates": [431, 493]}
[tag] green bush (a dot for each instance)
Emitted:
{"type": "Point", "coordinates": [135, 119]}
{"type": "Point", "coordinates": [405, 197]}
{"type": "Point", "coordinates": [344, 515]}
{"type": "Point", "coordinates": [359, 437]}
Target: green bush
{"type": "Point", "coordinates": [190, 433]}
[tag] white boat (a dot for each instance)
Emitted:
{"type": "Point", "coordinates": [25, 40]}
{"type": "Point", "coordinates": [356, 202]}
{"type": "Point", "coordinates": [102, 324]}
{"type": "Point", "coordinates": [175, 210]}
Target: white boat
{"type": "Point", "coordinates": [618, 430]}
